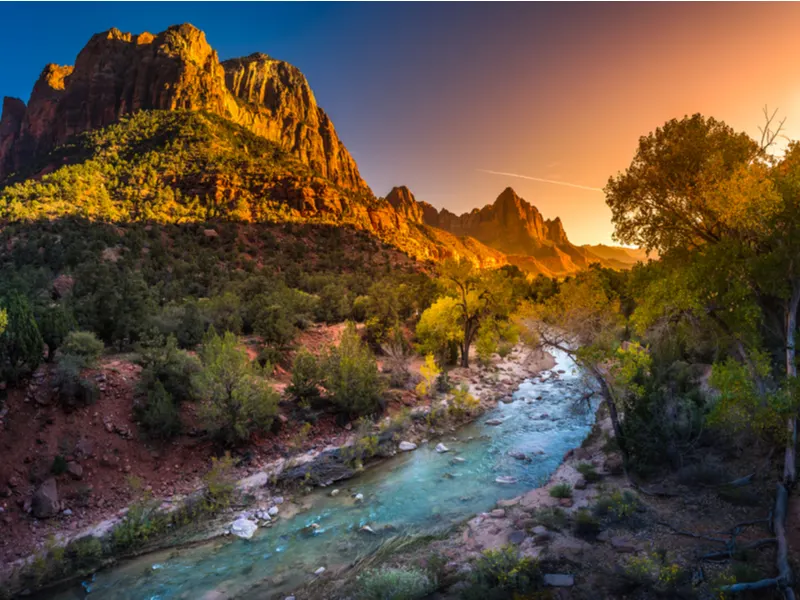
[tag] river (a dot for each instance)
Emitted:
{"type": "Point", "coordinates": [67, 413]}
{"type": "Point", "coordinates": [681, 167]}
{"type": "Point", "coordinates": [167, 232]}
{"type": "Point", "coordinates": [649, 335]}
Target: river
{"type": "Point", "coordinates": [415, 492]}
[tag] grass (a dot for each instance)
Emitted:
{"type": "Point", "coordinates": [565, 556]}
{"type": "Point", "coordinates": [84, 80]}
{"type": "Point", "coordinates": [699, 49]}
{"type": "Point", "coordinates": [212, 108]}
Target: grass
{"type": "Point", "coordinates": [589, 472]}
{"type": "Point", "coordinates": [561, 490]}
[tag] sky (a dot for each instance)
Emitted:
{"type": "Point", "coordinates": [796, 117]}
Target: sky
{"type": "Point", "coordinates": [459, 101]}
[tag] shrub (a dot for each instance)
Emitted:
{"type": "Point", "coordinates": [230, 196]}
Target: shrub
{"type": "Point", "coordinates": [618, 505]}
{"type": "Point", "coordinates": [170, 366]}
{"type": "Point", "coordinates": [159, 416]}
{"type": "Point", "coordinates": [586, 524]}
{"type": "Point", "coordinates": [237, 400]}
{"type": "Point", "coordinates": [561, 490]}
{"type": "Point", "coordinates": [502, 574]}
{"type": "Point", "coordinates": [462, 403]}
{"type": "Point", "coordinates": [219, 482]}
{"type": "Point", "coordinates": [656, 572]}
{"type": "Point", "coordinates": [73, 389]}
{"type": "Point", "coordinates": [350, 375]}
{"type": "Point", "coordinates": [398, 356]}
{"type": "Point", "coordinates": [305, 377]}
{"type": "Point", "coordinates": [84, 345]}
{"type": "Point", "coordinates": [59, 465]}
{"type": "Point", "coordinates": [394, 584]}
{"type": "Point", "coordinates": [551, 517]}
{"type": "Point", "coordinates": [429, 372]}
{"type": "Point", "coordinates": [589, 472]}
{"type": "Point", "coordinates": [21, 344]}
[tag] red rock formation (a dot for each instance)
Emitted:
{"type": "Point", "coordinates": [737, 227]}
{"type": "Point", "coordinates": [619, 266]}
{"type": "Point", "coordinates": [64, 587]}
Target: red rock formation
{"type": "Point", "coordinates": [118, 73]}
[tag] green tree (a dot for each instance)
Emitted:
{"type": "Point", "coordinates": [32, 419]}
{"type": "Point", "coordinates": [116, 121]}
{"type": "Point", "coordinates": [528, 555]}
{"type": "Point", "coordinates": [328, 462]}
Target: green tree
{"type": "Point", "coordinates": [306, 377]}
{"type": "Point", "coordinates": [21, 344]}
{"type": "Point", "coordinates": [350, 375]}
{"type": "Point", "coordinates": [236, 398]}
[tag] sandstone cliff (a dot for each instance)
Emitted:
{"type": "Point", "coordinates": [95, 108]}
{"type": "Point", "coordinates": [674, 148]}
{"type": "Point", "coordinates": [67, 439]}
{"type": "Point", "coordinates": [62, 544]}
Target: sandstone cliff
{"type": "Point", "coordinates": [118, 73]}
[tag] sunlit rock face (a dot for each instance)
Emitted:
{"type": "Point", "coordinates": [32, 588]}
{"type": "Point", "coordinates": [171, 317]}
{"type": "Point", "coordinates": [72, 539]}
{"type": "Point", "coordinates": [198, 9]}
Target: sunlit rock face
{"type": "Point", "coordinates": [119, 73]}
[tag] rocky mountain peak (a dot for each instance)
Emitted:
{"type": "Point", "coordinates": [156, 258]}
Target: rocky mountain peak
{"type": "Point", "coordinates": [403, 201]}
{"type": "Point", "coordinates": [119, 73]}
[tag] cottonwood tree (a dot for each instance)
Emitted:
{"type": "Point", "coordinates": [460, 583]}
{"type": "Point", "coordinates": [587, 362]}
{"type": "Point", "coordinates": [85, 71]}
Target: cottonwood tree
{"type": "Point", "coordinates": [712, 201]}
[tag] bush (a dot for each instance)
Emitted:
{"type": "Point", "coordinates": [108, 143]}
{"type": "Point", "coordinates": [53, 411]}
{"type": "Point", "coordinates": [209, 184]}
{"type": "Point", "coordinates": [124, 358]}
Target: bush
{"type": "Point", "coordinates": [237, 400]}
{"type": "Point", "coordinates": [585, 524]}
{"type": "Point", "coordinates": [394, 584]}
{"type": "Point", "coordinates": [350, 375]}
{"type": "Point", "coordinates": [561, 490]}
{"type": "Point", "coordinates": [551, 517]}
{"type": "Point", "coordinates": [502, 574]}
{"type": "Point", "coordinates": [219, 482]}
{"type": "Point", "coordinates": [589, 472]}
{"type": "Point", "coordinates": [618, 505]}
{"type": "Point", "coordinates": [74, 389]}
{"type": "Point", "coordinates": [163, 362]}
{"type": "Point", "coordinates": [59, 465]}
{"type": "Point", "coordinates": [159, 416]}
{"type": "Point", "coordinates": [84, 345]}
{"type": "Point", "coordinates": [21, 344]}
{"type": "Point", "coordinates": [305, 377]}
{"type": "Point", "coordinates": [462, 403]}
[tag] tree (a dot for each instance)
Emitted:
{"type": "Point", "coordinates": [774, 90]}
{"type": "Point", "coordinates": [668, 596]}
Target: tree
{"type": "Point", "coordinates": [3, 320]}
{"type": "Point", "coordinates": [236, 398]}
{"type": "Point", "coordinates": [306, 377]}
{"type": "Point", "coordinates": [478, 295]}
{"type": "Point", "coordinates": [439, 328]}
{"type": "Point", "coordinates": [21, 344]}
{"type": "Point", "coordinates": [350, 375]}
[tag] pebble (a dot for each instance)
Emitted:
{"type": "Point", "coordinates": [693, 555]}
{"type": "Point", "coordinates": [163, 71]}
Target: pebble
{"type": "Point", "coordinates": [319, 571]}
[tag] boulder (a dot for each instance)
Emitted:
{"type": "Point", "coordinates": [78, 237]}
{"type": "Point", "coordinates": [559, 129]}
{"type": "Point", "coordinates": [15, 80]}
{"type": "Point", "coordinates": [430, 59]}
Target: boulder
{"type": "Point", "coordinates": [319, 571]}
{"type": "Point", "coordinates": [407, 446]}
{"type": "Point", "coordinates": [494, 422]}
{"type": "Point", "coordinates": [273, 511]}
{"type": "Point", "coordinates": [45, 500]}
{"type": "Point", "coordinates": [359, 497]}
{"type": "Point", "coordinates": [506, 480]}
{"type": "Point", "coordinates": [74, 470]}
{"type": "Point", "coordinates": [623, 545]}
{"type": "Point", "coordinates": [516, 537]}
{"type": "Point", "coordinates": [243, 528]}
{"type": "Point", "coordinates": [441, 448]}
{"type": "Point", "coordinates": [498, 513]}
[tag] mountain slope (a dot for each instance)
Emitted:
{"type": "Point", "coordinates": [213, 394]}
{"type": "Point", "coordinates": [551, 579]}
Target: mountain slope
{"type": "Point", "coordinates": [118, 74]}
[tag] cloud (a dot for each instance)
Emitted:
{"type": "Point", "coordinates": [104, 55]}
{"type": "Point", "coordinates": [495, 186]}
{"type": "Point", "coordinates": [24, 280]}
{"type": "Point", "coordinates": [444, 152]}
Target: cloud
{"type": "Point", "coordinates": [565, 183]}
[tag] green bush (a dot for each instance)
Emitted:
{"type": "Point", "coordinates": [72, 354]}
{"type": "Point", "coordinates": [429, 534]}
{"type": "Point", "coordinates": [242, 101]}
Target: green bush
{"type": "Point", "coordinates": [619, 505]}
{"type": "Point", "coordinates": [394, 584]}
{"type": "Point", "coordinates": [551, 517]}
{"type": "Point", "coordinates": [158, 415]}
{"type": "Point", "coordinates": [21, 344]}
{"type": "Point", "coordinates": [589, 472]}
{"type": "Point", "coordinates": [237, 399]}
{"type": "Point", "coordinates": [350, 375]}
{"type": "Point", "coordinates": [305, 377]}
{"type": "Point", "coordinates": [59, 465]}
{"type": "Point", "coordinates": [84, 345]}
{"type": "Point", "coordinates": [502, 574]}
{"type": "Point", "coordinates": [561, 490]}
{"type": "Point", "coordinates": [164, 362]}
{"type": "Point", "coordinates": [73, 388]}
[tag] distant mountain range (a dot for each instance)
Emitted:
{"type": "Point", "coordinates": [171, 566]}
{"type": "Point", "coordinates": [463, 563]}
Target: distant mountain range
{"type": "Point", "coordinates": [242, 139]}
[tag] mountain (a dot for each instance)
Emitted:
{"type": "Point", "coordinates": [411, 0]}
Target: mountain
{"type": "Point", "coordinates": [626, 256]}
{"type": "Point", "coordinates": [515, 227]}
{"type": "Point", "coordinates": [117, 74]}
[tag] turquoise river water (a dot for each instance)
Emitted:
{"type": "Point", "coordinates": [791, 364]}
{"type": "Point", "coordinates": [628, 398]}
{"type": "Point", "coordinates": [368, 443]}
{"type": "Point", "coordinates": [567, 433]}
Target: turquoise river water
{"type": "Point", "coordinates": [415, 492]}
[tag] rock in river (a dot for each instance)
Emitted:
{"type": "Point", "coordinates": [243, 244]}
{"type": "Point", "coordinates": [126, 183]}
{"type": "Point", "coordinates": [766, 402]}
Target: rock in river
{"type": "Point", "coordinates": [440, 448]}
{"type": "Point", "coordinates": [506, 479]}
{"type": "Point", "coordinates": [407, 446]}
{"type": "Point", "coordinates": [243, 528]}
{"type": "Point", "coordinates": [494, 422]}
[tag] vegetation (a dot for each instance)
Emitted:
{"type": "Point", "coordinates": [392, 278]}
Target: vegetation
{"type": "Point", "coordinates": [394, 584]}
{"type": "Point", "coordinates": [236, 399]}
{"type": "Point", "coordinates": [503, 574]}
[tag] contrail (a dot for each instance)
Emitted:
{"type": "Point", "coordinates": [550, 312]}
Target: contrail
{"type": "Point", "coordinates": [574, 185]}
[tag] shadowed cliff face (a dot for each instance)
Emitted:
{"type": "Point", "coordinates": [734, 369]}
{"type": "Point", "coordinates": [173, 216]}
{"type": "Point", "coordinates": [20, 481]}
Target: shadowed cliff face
{"type": "Point", "coordinates": [118, 73]}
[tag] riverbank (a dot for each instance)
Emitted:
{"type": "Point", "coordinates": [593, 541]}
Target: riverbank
{"type": "Point", "coordinates": [258, 489]}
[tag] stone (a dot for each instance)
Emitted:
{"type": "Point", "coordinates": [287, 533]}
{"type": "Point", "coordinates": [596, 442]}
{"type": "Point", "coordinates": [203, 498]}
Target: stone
{"type": "Point", "coordinates": [559, 580]}
{"type": "Point", "coordinates": [505, 480]}
{"type": "Point", "coordinates": [613, 464]}
{"type": "Point", "coordinates": [334, 493]}
{"type": "Point", "coordinates": [519, 455]}
{"type": "Point", "coordinates": [541, 534]}
{"type": "Point", "coordinates": [623, 545]}
{"type": "Point", "coordinates": [273, 511]}
{"type": "Point", "coordinates": [580, 483]}
{"type": "Point", "coordinates": [67, 512]}
{"type": "Point", "coordinates": [243, 528]}
{"type": "Point", "coordinates": [565, 502]}
{"type": "Point", "coordinates": [407, 446]}
{"type": "Point", "coordinates": [516, 537]}
{"type": "Point", "coordinates": [498, 513]}
{"type": "Point", "coordinates": [441, 448]}
{"type": "Point", "coordinates": [45, 503]}
{"type": "Point", "coordinates": [358, 497]}
{"type": "Point", "coordinates": [368, 529]}
{"type": "Point", "coordinates": [603, 536]}
{"type": "Point", "coordinates": [319, 571]}
{"type": "Point", "coordinates": [74, 470]}
{"type": "Point", "coordinates": [278, 500]}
